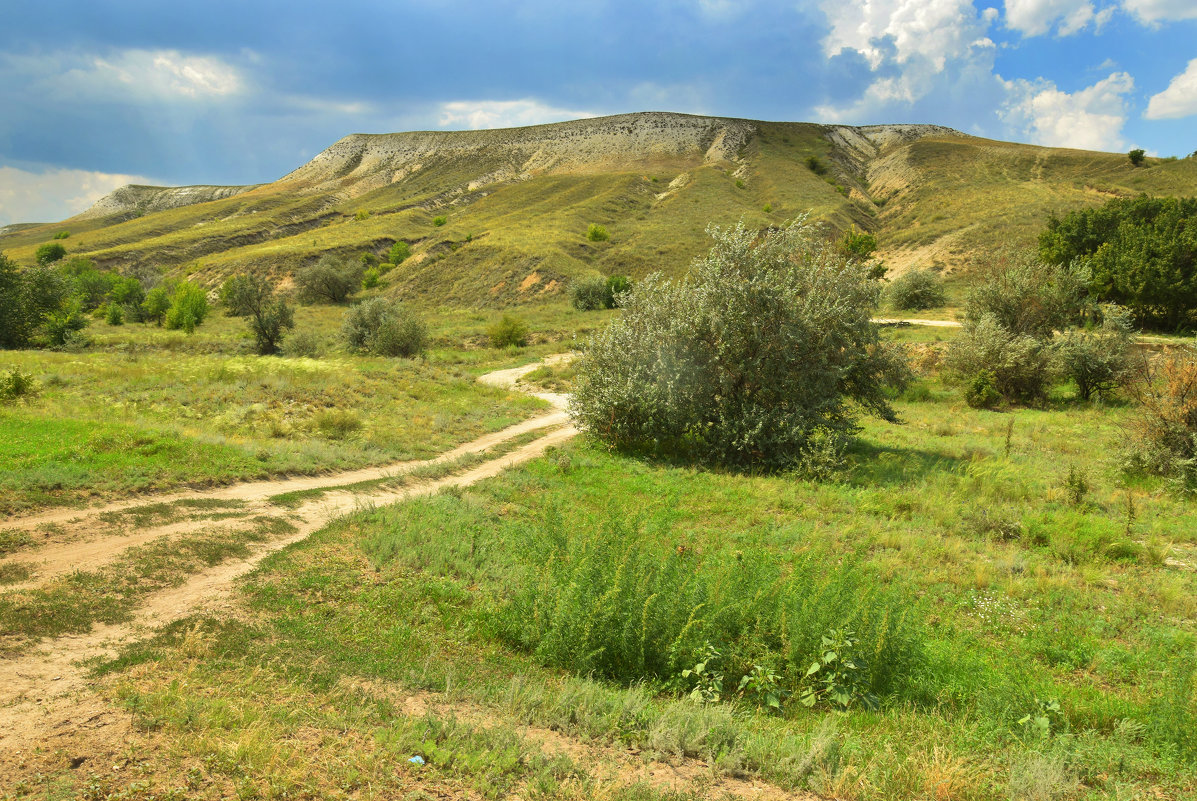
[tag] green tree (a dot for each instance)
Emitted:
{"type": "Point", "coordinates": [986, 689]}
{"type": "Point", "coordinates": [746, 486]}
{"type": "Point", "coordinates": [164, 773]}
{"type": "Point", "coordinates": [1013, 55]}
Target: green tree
{"type": "Point", "coordinates": [916, 290]}
{"type": "Point", "coordinates": [384, 328]}
{"type": "Point", "coordinates": [233, 292]}
{"type": "Point", "coordinates": [765, 346]}
{"type": "Point", "coordinates": [1142, 253]}
{"type": "Point", "coordinates": [14, 317]}
{"type": "Point", "coordinates": [1137, 156]}
{"type": "Point", "coordinates": [188, 307]}
{"type": "Point", "coordinates": [1097, 357]}
{"type": "Point", "coordinates": [399, 252]}
{"type": "Point", "coordinates": [49, 253]}
{"type": "Point", "coordinates": [128, 294]}
{"type": "Point", "coordinates": [155, 305]}
{"type": "Point", "coordinates": [269, 316]}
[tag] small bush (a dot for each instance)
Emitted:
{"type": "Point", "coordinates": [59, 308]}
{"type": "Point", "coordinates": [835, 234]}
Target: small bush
{"type": "Point", "coordinates": [61, 324]}
{"type": "Point", "coordinates": [981, 391]}
{"type": "Point", "coordinates": [1096, 358]}
{"type": "Point", "coordinates": [1015, 364]}
{"type": "Point", "coordinates": [384, 328]}
{"type": "Point", "coordinates": [816, 165]}
{"type": "Point", "coordinates": [767, 208]}
{"type": "Point", "coordinates": [916, 290]}
{"type": "Point", "coordinates": [508, 331]}
{"type": "Point", "coordinates": [370, 278]}
{"type": "Point", "coordinates": [304, 344]}
{"type": "Point", "coordinates": [361, 214]}
{"type": "Point", "coordinates": [858, 244]}
{"type": "Point", "coordinates": [62, 235]}
{"type": "Point", "coordinates": [439, 221]}
{"type": "Point", "coordinates": [590, 294]}
{"type": "Point", "coordinates": [49, 253]}
{"type": "Point", "coordinates": [16, 385]}
{"type": "Point", "coordinates": [399, 252]}
{"type": "Point", "coordinates": [1164, 428]}
{"type": "Point", "coordinates": [597, 233]}
{"type": "Point", "coordinates": [113, 315]}
{"type": "Point", "coordinates": [330, 280]}
{"type": "Point", "coordinates": [188, 307]}
{"type": "Point", "coordinates": [369, 260]}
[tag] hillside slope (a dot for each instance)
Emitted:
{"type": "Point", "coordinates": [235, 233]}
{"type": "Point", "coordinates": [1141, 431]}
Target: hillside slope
{"type": "Point", "coordinates": [517, 202]}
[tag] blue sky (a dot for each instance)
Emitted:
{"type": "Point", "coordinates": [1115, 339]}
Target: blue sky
{"type": "Point", "coordinates": [96, 94]}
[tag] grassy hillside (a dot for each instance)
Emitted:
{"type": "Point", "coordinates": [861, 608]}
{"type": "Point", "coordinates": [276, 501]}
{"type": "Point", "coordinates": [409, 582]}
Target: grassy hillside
{"type": "Point", "coordinates": [518, 201]}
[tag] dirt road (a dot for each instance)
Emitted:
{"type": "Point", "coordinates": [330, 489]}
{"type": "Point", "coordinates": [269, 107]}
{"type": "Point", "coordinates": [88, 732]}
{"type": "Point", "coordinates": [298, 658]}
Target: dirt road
{"type": "Point", "coordinates": [44, 692]}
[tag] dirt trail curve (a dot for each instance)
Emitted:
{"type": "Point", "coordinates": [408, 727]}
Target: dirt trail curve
{"type": "Point", "coordinates": [44, 693]}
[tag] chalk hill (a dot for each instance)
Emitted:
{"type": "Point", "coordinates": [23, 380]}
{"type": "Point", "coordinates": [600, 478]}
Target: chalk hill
{"type": "Point", "coordinates": [517, 202]}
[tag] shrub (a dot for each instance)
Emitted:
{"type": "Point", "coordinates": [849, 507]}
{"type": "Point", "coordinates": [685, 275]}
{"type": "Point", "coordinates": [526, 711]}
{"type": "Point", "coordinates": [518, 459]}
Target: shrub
{"type": "Point", "coordinates": [336, 423]}
{"type": "Point", "coordinates": [93, 287]}
{"type": "Point", "coordinates": [1142, 253]}
{"type": "Point", "coordinates": [767, 340]}
{"type": "Point", "coordinates": [62, 235]}
{"type": "Point", "coordinates": [234, 293]}
{"type": "Point", "coordinates": [916, 290]}
{"type": "Point", "coordinates": [767, 208]}
{"type": "Point", "coordinates": [981, 391]}
{"type": "Point", "coordinates": [155, 305]}
{"type": "Point", "coordinates": [1164, 427]}
{"type": "Point", "coordinates": [384, 328]}
{"type": "Point", "coordinates": [128, 294]}
{"type": "Point", "coordinates": [61, 323]}
{"type": "Point", "coordinates": [439, 221]}
{"type": "Point", "coordinates": [816, 165]}
{"type": "Point", "coordinates": [1095, 358]}
{"type": "Point", "coordinates": [330, 280]}
{"type": "Point", "coordinates": [597, 233]}
{"type": "Point", "coordinates": [188, 307]}
{"type": "Point", "coordinates": [589, 294]}
{"type": "Point", "coordinates": [113, 314]}
{"type": "Point", "coordinates": [616, 286]}
{"type": "Point", "coordinates": [1018, 363]}
{"type": "Point", "coordinates": [305, 343]}
{"type": "Point", "coordinates": [1137, 156]}
{"type": "Point", "coordinates": [614, 603]}
{"type": "Point", "coordinates": [370, 278]}
{"type": "Point", "coordinates": [858, 244]}
{"type": "Point", "coordinates": [1030, 297]}
{"type": "Point", "coordinates": [369, 260]}
{"type": "Point", "coordinates": [16, 385]}
{"type": "Point", "coordinates": [399, 252]}
{"type": "Point", "coordinates": [508, 331]}
{"type": "Point", "coordinates": [49, 253]}
{"type": "Point", "coordinates": [269, 316]}
{"type": "Point", "coordinates": [15, 323]}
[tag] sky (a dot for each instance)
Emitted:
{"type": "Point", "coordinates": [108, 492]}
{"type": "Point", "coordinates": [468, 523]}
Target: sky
{"type": "Point", "coordinates": [96, 94]}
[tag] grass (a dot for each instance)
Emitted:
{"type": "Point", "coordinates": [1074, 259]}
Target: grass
{"type": "Point", "coordinates": [114, 422]}
{"type": "Point", "coordinates": [523, 600]}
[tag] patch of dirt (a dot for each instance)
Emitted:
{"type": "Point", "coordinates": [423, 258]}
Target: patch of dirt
{"type": "Point", "coordinates": [532, 280]}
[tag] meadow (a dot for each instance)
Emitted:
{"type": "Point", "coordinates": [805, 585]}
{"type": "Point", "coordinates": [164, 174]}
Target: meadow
{"type": "Point", "coordinates": [1019, 612]}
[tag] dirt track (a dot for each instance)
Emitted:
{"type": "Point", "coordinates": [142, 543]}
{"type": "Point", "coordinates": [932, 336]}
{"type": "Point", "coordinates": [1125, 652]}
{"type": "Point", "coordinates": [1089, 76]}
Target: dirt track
{"type": "Point", "coordinates": [44, 693]}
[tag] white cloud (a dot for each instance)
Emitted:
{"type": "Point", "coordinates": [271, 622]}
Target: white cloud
{"type": "Point", "coordinates": [54, 194]}
{"type": "Point", "coordinates": [133, 74]}
{"type": "Point", "coordinates": [1090, 119]}
{"type": "Point", "coordinates": [934, 30]}
{"type": "Point", "coordinates": [1178, 100]}
{"type": "Point", "coordinates": [1152, 12]}
{"type": "Point", "coordinates": [1037, 17]}
{"type": "Point", "coordinates": [476, 114]}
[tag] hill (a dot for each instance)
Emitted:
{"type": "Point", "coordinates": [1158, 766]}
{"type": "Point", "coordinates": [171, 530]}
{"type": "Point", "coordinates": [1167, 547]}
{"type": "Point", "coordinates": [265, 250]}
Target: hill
{"type": "Point", "coordinates": [517, 202]}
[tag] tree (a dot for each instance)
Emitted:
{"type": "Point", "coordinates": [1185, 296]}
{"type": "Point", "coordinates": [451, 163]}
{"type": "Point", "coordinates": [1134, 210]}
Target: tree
{"type": "Point", "coordinates": [155, 305]}
{"type": "Point", "coordinates": [763, 350]}
{"type": "Point", "coordinates": [330, 280]}
{"type": "Point", "coordinates": [1142, 253]}
{"type": "Point", "coordinates": [14, 318]}
{"type": "Point", "coordinates": [270, 317]}
{"type": "Point", "coordinates": [49, 253]}
{"type": "Point", "coordinates": [399, 252]}
{"type": "Point", "coordinates": [128, 294]}
{"type": "Point", "coordinates": [188, 307]}
{"type": "Point", "coordinates": [1137, 156]}
{"type": "Point", "coordinates": [1030, 297]}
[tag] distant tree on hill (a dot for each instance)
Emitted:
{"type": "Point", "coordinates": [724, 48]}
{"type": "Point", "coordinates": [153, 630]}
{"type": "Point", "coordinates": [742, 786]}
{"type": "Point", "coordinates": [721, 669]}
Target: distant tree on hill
{"type": "Point", "coordinates": [330, 280]}
{"type": "Point", "coordinates": [269, 316]}
{"type": "Point", "coordinates": [1142, 253]}
{"type": "Point", "coordinates": [1137, 156]}
{"type": "Point", "coordinates": [49, 253]}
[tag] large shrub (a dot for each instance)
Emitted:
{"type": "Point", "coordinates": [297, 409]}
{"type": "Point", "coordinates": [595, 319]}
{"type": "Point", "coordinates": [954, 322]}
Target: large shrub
{"type": "Point", "coordinates": [330, 280]}
{"type": "Point", "coordinates": [188, 307]}
{"type": "Point", "coordinates": [49, 253]}
{"type": "Point", "coordinates": [1164, 429]}
{"type": "Point", "coordinates": [1030, 297]}
{"type": "Point", "coordinates": [269, 316]}
{"type": "Point", "coordinates": [589, 294]}
{"type": "Point", "coordinates": [767, 341]}
{"type": "Point", "coordinates": [1142, 252]}
{"type": "Point", "coordinates": [384, 328]}
{"type": "Point", "coordinates": [508, 332]}
{"type": "Point", "coordinates": [916, 290]}
{"type": "Point", "coordinates": [1016, 365]}
{"type": "Point", "coordinates": [1096, 358]}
